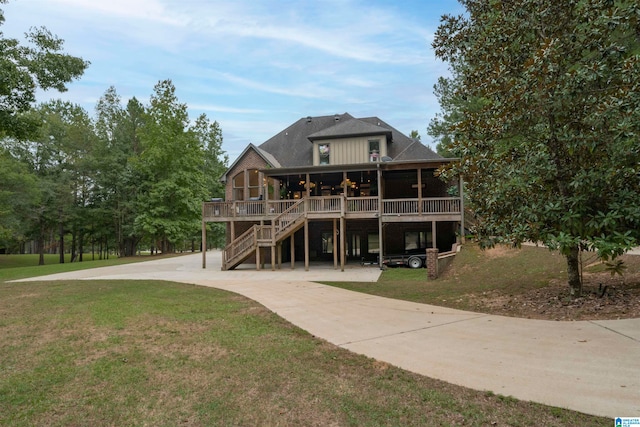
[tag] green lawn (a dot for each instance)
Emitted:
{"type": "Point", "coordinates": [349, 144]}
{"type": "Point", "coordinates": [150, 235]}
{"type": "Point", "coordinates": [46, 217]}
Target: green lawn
{"type": "Point", "coordinates": [473, 271]}
{"type": "Point", "coordinates": [131, 353]}
{"type": "Point", "coordinates": [13, 267]}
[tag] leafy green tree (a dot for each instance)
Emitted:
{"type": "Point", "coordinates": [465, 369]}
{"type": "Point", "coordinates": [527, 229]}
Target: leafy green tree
{"type": "Point", "coordinates": [171, 166]}
{"type": "Point", "coordinates": [549, 146]}
{"type": "Point", "coordinates": [215, 160]}
{"type": "Point", "coordinates": [59, 156]}
{"type": "Point", "coordinates": [215, 164]}
{"type": "Point", "coordinates": [442, 126]}
{"type": "Point", "coordinates": [115, 199]}
{"type": "Point", "coordinates": [19, 195]}
{"type": "Point", "coordinates": [25, 68]}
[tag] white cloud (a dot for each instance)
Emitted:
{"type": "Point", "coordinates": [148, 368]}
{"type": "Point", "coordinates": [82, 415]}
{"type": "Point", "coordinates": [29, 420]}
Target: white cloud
{"type": "Point", "coordinates": [147, 10]}
{"type": "Point", "coordinates": [224, 109]}
{"type": "Point", "coordinates": [310, 90]}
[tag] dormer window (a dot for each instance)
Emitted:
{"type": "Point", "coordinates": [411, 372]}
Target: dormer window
{"type": "Point", "coordinates": [374, 150]}
{"type": "Point", "coordinates": [324, 153]}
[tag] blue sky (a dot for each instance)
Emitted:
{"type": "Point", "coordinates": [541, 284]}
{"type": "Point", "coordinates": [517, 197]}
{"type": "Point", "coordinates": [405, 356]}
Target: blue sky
{"type": "Point", "coordinates": [254, 66]}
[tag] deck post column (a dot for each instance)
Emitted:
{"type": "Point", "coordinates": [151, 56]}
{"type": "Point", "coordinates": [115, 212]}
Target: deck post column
{"type": "Point", "coordinates": [306, 245]}
{"type": "Point", "coordinates": [461, 195]}
{"type": "Point", "coordinates": [273, 257]}
{"type": "Point", "coordinates": [334, 242]}
{"type": "Point", "coordinates": [279, 250]}
{"type": "Point", "coordinates": [420, 191]}
{"type": "Point", "coordinates": [293, 253]}
{"type": "Point", "coordinates": [380, 212]}
{"type": "Point", "coordinates": [342, 243]}
{"type": "Point", "coordinates": [204, 240]}
{"type": "Point", "coordinates": [255, 240]}
{"type": "Point", "coordinates": [433, 234]}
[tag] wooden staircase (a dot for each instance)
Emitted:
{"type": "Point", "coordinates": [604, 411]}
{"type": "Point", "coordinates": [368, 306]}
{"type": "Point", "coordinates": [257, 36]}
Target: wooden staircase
{"type": "Point", "coordinates": [282, 226]}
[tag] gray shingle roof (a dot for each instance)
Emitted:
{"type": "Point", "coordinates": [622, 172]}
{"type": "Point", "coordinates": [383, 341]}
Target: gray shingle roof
{"type": "Point", "coordinates": [268, 158]}
{"type": "Point", "coordinates": [292, 147]}
{"type": "Point", "coordinates": [352, 127]}
{"type": "Point", "coordinates": [416, 151]}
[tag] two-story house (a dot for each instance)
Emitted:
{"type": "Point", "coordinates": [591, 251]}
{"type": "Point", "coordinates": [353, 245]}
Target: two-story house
{"type": "Point", "coordinates": [337, 189]}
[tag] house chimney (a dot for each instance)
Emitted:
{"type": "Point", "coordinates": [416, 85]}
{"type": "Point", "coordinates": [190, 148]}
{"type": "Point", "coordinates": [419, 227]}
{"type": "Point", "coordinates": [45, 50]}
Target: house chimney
{"type": "Point", "coordinates": [308, 119]}
{"type": "Point", "coordinates": [336, 117]}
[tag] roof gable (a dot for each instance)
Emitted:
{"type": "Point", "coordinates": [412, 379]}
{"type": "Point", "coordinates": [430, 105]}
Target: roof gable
{"type": "Point", "coordinates": [291, 146]}
{"type": "Point", "coordinates": [267, 157]}
{"type": "Point", "coordinates": [351, 127]}
{"type": "Point", "coordinates": [416, 150]}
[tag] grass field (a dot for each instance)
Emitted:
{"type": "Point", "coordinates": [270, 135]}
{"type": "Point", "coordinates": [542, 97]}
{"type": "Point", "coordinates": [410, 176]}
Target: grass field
{"type": "Point", "coordinates": [13, 267]}
{"type": "Point", "coordinates": [145, 353]}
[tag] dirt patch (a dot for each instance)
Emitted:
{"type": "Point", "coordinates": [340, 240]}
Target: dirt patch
{"type": "Point", "coordinates": [604, 298]}
{"type": "Point", "coordinates": [499, 251]}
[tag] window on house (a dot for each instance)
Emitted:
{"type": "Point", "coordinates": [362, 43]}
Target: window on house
{"type": "Point", "coordinates": [373, 243]}
{"type": "Point", "coordinates": [327, 243]}
{"type": "Point", "coordinates": [254, 183]}
{"type": "Point", "coordinates": [324, 152]}
{"type": "Point", "coordinates": [238, 186]}
{"type": "Point", "coordinates": [354, 245]}
{"type": "Point", "coordinates": [374, 150]}
{"type": "Point", "coordinates": [416, 240]}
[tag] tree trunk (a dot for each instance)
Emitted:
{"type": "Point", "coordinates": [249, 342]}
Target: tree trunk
{"type": "Point", "coordinates": [573, 272]}
{"type": "Point", "coordinates": [41, 244]}
{"type": "Point", "coordinates": [61, 243]}
{"type": "Point", "coordinates": [80, 245]}
{"type": "Point", "coordinates": [74, 237]}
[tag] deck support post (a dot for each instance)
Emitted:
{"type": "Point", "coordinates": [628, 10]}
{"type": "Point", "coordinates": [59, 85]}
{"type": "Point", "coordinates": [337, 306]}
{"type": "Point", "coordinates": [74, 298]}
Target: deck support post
{"type": "Point", "coordinates": [273, 257]}
{"type": "Point", "coordinates": [257, 256]}
{"type": "Point", "coordinates": [279, 255]}
{"type": "Point", "coordinates": [293, 253]}
{"type": "Point", "coordinates": [460, 194]}
{"type": "Point", "coordinates": [342, 243]}
{"type": "Point", "coordinates": [380, 214]}
{"type": "Point", "coordinates": [306, 245]}
{"type": "Point", "coordinates": [434, 236]}
{"type": "Point", "coordinates": [204, 240]}
{"type": "Point", "coordinates": [334, 242]}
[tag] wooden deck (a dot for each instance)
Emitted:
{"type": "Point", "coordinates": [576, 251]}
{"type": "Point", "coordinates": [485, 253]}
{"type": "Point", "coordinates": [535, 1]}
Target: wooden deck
{"type": "Point", "coordinates": [390, 210]}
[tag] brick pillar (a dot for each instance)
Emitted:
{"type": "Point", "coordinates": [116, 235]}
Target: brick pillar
{"type": "Point", "coordinates": [432, 263]}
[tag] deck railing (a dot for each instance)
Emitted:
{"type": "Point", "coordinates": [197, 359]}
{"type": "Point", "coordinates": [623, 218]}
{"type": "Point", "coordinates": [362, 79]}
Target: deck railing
{"type": "Point", "coordinates": [329, 204]}
{"type": "Point", "coordinates": [400, 207]}
{"type": "Point", "coordinates": [289, 216]}
{"type": "Point", "coordinates": [362, 204]}
{"type": "Point", "coordinates": [449, 205]}
{"type": "Point", "coordinates": [434, 205]}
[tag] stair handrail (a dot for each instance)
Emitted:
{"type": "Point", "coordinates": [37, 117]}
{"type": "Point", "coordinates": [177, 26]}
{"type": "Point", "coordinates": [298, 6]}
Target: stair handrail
{"type": "Point", "coordinates": [230, 251]}
{"type": "Point", "coordinates": [286, 215]}
{"type": "Point", "coordinates": [248, 240]}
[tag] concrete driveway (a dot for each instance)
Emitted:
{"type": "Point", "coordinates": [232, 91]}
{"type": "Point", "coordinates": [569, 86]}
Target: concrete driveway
{"type": "Point", "coordinates": [588, 366]}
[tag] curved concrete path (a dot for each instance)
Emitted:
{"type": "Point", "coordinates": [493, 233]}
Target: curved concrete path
{"type": "Point", "coordinates": [588, 366]}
